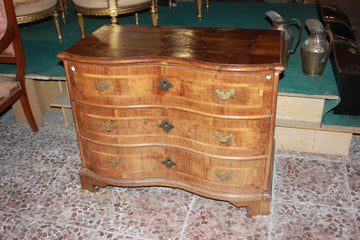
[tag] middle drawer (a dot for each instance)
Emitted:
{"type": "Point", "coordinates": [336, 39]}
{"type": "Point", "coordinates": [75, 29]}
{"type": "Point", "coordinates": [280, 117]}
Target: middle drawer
{"type": "Point", "coordinates": [173, 128]}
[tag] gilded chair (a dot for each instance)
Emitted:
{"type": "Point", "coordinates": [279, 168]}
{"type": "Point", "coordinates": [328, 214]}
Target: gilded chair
{"type": "Point", "coordinates": [11, 51]}
{"type": "Point", "coordinates": [113, 8]}
{"type": "Point", "coordinates": [34, 10]}
{"type": "Point", "coordinates": [199, 5]}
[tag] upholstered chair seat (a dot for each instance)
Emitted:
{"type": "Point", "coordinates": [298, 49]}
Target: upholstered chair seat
{"type": "Point", "coordinates": [113, 8]}
{"type": "Point", "coordinates": [27, 7]}
{"type": "Point", "coordinates": [33, 10]}
{"type": "Point", "coordinates": [104, 3]}
{"type": "Point", "coordinates": [12, 88]}
{"type": "Point", "coordinates": [8, 87]}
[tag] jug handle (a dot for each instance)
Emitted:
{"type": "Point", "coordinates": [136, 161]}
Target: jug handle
{"type": "Point", "coordinates": [300, 32]}
{"type": "Point", "coordinates": [331, 38]}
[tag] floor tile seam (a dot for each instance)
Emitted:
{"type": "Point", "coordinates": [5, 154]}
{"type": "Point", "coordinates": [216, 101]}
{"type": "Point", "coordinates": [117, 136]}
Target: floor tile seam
{"type": "Point", "coordinates": [291, 202]}
{"type": "Point", "coordinates": [187, 217]}
{"type": "Point", "coordinates": [271, 221]}
{"type": "Point", "coordinates": [308, 160]}
{"type": "Point", "coordinates": [348, 186]}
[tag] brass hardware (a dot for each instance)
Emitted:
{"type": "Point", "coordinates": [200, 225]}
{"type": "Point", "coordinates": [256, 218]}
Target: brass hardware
{"type": "Point", "coordinates": [102, 86]}
{"type": "Point", "coordinates": [113, 163]}
{"type": "Point", "coordinates": [108, 127]}
{"type": "Point", "coordinates": [166, 126]}
{"type": "Point", "coordinates": [223, 177]}
{"type": "Point", "coordinates": [168, 162]}
{"type": "Point", "coordinates": [164, 84]}
{"type": "Point", "coordinates": [223, 95]}
{"type": "Point", "coordinates": [222, 138]}
{"type": "Point", "coordinates": [113, 11]}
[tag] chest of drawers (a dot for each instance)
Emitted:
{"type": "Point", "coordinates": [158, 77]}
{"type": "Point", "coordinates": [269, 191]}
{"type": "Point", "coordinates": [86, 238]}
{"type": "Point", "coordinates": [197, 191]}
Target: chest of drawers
{"type": "Point", "coordinates": [192, 108]}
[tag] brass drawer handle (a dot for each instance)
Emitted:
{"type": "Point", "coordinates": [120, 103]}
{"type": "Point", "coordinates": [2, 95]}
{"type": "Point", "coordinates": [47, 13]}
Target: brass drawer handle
{"type": "Point", "coordinates": [223, 177]}
{"type": "Point", "coordinates": [223, 95]}
{"type": "Point", "coordinates": [223, 139]}
{"type": "Point", "coordinates": [102, 86]}
{"type": "Point", "coordinates": [113, 163]}
{"type": "Point", "coordinates": [108, 127]}
{"type": "Point", "coordinates": [168, 162]}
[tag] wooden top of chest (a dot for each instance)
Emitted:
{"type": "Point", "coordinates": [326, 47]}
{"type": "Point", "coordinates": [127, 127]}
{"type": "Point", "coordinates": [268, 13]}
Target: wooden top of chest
{"type": "Point", "coordinates": [220, 48]}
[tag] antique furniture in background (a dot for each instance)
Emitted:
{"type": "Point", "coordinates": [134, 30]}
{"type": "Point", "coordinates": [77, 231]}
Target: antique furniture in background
{"type": "Point", "coordinates": [188, 109]}
{"type": "Point", "coordinates": [34, 10]}
{"type": "Point", "coordinates": [113, 8]}
{"type": "Point", "coordinates": [345, 58]}
{"type": "Point", "coordinates": [199, 5]}
{"type": "Point", "coordinates": [11, 51]}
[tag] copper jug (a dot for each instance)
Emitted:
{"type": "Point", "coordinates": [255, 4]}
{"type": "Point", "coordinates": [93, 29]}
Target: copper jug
{"type": "Point", "coordinates": [279, 23]}
{"type": "Point", "coordinates": [316, 49]}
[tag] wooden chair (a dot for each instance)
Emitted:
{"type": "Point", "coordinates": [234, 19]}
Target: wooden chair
{"type": "Point", "coordinates": [113, 8]}
{"type": "Point", "coordinates": [34, 10]}
{"type": "Point", "coordinates": [11, 51]}
{"type": "Point", "coordinates": [199, 5]}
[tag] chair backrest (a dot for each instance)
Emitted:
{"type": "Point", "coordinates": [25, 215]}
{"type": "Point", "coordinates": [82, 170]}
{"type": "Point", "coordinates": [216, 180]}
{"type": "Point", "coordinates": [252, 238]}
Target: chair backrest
{"type": "Point", "coordinates": [11, 50]}
{"type": "Point", "coordinates": [3, 26]}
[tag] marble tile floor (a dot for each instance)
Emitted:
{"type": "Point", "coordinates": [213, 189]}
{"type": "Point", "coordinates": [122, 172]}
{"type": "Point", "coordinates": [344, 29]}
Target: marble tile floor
{"type": "Point", "coordinates": [314, 196]}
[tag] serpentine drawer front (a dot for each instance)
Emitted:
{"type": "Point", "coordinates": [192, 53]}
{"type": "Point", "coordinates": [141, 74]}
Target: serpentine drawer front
{"type": "Point", "coordinates": [197, 113]}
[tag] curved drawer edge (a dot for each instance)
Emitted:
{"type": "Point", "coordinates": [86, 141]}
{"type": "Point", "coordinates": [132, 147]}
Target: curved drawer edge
{"type": "Point", "coordinates": [206, 114]}
{"type": "Point", "coordinates": [229, 158]}
{"type": "Point", "coordinates": [90, 179]}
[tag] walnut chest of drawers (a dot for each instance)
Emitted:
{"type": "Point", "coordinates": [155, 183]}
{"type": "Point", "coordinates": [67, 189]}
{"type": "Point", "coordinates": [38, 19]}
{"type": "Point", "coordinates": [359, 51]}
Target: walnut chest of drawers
{"type": "Point", "coordinates": [192, 108]}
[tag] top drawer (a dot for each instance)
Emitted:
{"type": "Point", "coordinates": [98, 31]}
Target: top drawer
{"type": "Point", "coordinates": [171, 87]}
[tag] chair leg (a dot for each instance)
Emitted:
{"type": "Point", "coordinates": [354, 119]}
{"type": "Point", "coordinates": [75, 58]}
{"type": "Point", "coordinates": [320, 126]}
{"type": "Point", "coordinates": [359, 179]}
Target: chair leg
{"type": "Point", "coordinates": [81, 24]}
{"type": "Point", "coordinates": [154, 13]}
{"type": "Point", "coordinates": [63, 10]}
{"type": "Point", "coordinates": [57, 26]}
{"type": "Point", "coordinates": [170, 4]}
{"type": "Point", "coordinates": [137, 19]}
{"type": "Point", "coordinates": [28, 113]}
{"type": "Point", "coordinates": [199, 3]}
{"type": "Point", "coordinates": [207, 5]}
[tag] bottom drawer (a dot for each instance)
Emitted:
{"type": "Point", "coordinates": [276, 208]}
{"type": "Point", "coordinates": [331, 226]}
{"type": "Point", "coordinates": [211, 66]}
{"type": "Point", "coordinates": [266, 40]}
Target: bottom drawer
{"type": "Point", "coordinates": [162, 163]}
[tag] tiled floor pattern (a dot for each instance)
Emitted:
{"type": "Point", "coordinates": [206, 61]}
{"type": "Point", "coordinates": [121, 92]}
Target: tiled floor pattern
{"type": "Point", "coordinates": [314, 196]}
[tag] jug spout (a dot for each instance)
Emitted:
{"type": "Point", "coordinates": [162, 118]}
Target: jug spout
{"type": "Point", "coordinates": [275, 17]}
{"type": "Point", "coordinates": [279, 23]}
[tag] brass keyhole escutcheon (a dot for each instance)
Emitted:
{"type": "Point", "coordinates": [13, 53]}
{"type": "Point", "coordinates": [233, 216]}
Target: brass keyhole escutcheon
{"type": "Point", "coordinates": [168, 162]}
{"type": "Point", "coordinates": [164, 84]}
{"type": "Point", "coordinates": [166, 126]}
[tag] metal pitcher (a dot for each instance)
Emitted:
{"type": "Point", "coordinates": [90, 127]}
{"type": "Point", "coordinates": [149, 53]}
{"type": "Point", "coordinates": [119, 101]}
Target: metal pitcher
{"type": "Point", "coordinates": [278, 23]}
{"type": "Point", "coordinates": [316, 49]}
